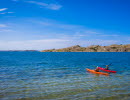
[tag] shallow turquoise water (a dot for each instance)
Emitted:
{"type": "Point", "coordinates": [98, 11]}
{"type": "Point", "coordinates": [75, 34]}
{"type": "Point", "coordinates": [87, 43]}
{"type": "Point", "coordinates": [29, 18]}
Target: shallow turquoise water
{"type": "Point", "coordinates": [63, 76]}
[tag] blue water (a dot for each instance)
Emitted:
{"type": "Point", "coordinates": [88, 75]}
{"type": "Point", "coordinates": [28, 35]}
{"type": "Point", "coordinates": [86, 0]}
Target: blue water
{"type": "Point", "coordinates": [63, 76]}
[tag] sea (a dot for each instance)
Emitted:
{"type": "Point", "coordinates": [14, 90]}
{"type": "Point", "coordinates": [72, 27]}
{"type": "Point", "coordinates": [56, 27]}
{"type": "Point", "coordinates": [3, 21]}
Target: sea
{"type": "Point", "coordinates": [63, 76]}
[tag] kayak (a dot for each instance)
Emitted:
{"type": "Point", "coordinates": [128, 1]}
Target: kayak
{"type": "Point", "coordinates": [103, 69]}
{"type": "Point", "coordinates": [93, 71]}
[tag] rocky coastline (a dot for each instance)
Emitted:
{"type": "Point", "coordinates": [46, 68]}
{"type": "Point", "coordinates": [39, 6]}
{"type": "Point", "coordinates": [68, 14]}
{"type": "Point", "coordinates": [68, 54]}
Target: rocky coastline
{"type": "Point", "coordinates": [93, 48]}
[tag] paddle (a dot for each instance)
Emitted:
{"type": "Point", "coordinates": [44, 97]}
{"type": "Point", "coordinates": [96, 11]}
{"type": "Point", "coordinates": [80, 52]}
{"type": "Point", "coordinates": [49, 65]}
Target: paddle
{"type": "Point", "coordinates": [109, 64]}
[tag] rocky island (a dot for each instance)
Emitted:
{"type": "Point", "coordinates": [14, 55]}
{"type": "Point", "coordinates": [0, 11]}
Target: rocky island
{"type": "Point", "coordinates": [93, 48]}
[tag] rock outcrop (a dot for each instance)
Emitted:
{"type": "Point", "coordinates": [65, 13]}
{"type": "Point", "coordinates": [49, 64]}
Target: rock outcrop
{"type": "Point", "coordinates": [93, 48]}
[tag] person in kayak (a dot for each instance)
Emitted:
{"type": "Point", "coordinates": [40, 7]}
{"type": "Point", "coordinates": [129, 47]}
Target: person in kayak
{"type": "Point", "coordinates": [107, 68]}
{"type": "Point", "coordinates": [97, 70]}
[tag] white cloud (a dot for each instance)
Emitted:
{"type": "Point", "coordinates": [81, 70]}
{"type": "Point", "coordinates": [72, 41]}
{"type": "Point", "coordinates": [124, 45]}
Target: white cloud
{"type": "Point", "coordinates": [54, 6]}
{"type": "Point", "coordinates": [10, 12]}
{"type": "Point", "coordinates": [3, 13]}
{"type": "Point", "coordinates": [15, 0]}
{"type": "Point", "coordinates": [72, 31]}
{"type": "Point", "coordinates": [113, 35]}
{"type": "Point", "coordinates": [3, 25]}
{"type": "Point", "coordinates": [7, 13]}
{"type": "Point", "coordinates": [92, 32]}
{"type": "Point", "coordinates": [32, 44]}
{"type": "Point", "coordinates": [101, 42]}
{"type": "Point", "coordinates": [46, 5]}
{"type": "Point", "coordinates": [50, 44]}
{"type": "Point", "coordinates": [55, 24]}
{"type": "Point", "coordinates": [3, 9]}
{"type": "Point", "coordinates": [6, 30]}
{"type": "Point", "coordinates": [38, 3]}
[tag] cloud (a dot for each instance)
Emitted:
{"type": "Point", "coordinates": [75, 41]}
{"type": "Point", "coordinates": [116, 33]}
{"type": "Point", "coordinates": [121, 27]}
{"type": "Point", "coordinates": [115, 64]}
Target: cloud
{"type": "Point", "coordinates": [60, 35]}
{"type": "Point", "coordinates": [54, 24]}
{"type": "Point", "coordinates": [10, 12]}
{"type": "Point", "coordinates": [57, 29]}
{"type": "Point", "coordinates": [3, 13]}
{"type": "Point", "coordinates": [15, 0]}
{"type": "Point", "coordinates": [54, 6]}
{"type": "Point", "coordinates": [32, 44]}
{"type": "Point", "coordinates": [80, 29]}
{"type": "Point", "coordinates": [7, 13]}
{"type": "Point", "coordinates": [3, 25]}
{"type": "Point", "coordinates": [67, 30]}
{"type": "Point", "coordinates": [3, 9]}
{"type": "Point", "coordinates": [102, 42]}
{"type": "Point", "coordinates": [92, 32]}
{"type": "Point", "coordinates": [50, 6]}
{"type": "Point", "coordinates": [6, 30]}
{"type": "Point", "coordinates": [50, 44]}
{"type": "Point", "coordinates": [113, 35]}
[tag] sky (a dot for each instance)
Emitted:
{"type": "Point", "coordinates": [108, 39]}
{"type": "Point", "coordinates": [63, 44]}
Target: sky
{"type": "Point", "coordinates": [49, 24]}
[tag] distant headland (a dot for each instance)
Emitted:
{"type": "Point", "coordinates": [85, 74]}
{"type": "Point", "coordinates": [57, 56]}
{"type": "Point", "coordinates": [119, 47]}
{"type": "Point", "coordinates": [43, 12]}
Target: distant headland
{"type": "Point", "coordinates": [20, 50]}
{"type": "Point", "coordinates": [93, 48]}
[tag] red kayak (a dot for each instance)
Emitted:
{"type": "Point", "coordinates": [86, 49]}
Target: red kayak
{"type": "Point", "coordinates": [103, 69]}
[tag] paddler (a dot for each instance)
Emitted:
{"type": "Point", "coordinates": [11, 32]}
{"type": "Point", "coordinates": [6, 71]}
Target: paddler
{"type": "Point", "coordinates": [107, 68]}
{"type": "Point", "coordinates": [97, 70]}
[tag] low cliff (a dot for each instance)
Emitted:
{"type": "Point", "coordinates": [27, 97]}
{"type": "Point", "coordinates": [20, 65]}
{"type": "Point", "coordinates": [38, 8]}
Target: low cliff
{"type": "Point", "coordinates": [93, 48]}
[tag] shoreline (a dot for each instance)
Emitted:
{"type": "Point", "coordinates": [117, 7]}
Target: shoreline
{"type": "Point", "coordinates": [93, 48]}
